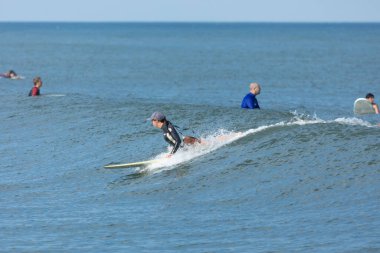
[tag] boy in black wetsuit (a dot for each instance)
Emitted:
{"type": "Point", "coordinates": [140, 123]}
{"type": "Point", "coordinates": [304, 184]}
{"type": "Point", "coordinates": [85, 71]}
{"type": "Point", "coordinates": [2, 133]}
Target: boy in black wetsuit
{"type": "Point", "coordinates": [171, 135]}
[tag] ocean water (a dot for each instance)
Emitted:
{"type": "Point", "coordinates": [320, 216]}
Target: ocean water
{"type": "Point", "coordinates": [300, 175]}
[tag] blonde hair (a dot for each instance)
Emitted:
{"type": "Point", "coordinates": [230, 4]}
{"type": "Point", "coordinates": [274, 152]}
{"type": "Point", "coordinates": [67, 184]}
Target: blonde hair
{"type": "Point", "coordinates": [36, 80]}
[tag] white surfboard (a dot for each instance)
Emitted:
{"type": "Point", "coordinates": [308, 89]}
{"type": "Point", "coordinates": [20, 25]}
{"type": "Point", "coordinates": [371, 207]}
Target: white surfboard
{"type": "Point", "coordinates": [363, 106]}
{"type": "Point", "coordinates": [134, 164]}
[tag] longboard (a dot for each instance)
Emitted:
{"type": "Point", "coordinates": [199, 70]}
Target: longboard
{"type": "Point", "coordinates": [128, 165]}
{"type": "Point", "coordinates": [363, 106]}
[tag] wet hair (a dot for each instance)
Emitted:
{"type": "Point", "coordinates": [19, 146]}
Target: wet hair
{"type": "Point", "coordinates": [12, 72]}
{"type": "Point", "coordinates": [36, 80]}
{"type": "Point", "coordinates": [190, 140]}
{"type": "Point", "coordinates": [369, 95]}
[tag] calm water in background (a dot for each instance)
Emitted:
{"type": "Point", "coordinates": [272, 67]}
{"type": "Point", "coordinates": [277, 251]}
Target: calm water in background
{"type": "Point", "coordinates": [302, 176]}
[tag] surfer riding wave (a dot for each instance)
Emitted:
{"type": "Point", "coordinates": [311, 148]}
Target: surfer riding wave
{"type": "Point", "coordinates": [171, 134]}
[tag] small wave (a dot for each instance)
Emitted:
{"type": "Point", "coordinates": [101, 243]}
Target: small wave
{"type": "Point", "coordinates": [223, 137]}
{"type": "Point", "coordinates": [211, 143]}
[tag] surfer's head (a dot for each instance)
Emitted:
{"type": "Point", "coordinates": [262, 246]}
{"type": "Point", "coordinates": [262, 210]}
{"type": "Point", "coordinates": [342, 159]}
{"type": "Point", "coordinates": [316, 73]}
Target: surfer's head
{"type": "Point", "coordinates": [158, 116]}
{"type": "Point", "coordinates": [157, 119]}
{"type": "Point", "coordinates": [370, 97]}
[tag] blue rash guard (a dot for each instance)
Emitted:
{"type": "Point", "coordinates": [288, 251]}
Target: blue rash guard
{"type": "Point", "coordinates": [250, 102]}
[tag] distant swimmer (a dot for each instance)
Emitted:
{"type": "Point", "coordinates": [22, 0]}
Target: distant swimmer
{"type": "Point", "coordinates": [371, 98]}
{"type": "Point", "coordinates": [10, 74]}
{"type": "Point", "coordinates": [35, 91]}
{"type": "Point", "coordinates": [250, 101]}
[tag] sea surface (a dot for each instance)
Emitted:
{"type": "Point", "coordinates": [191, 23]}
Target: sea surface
{"type": "Point", "coordinates": [300, 175]}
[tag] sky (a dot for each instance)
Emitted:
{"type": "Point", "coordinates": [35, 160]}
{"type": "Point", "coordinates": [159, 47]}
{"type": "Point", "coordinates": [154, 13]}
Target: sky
{"type": "Point", "coordinates": [191, 10]}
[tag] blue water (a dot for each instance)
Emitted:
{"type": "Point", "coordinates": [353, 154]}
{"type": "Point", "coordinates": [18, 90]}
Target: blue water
{"type": "Point", "coordinates": [300, 175]}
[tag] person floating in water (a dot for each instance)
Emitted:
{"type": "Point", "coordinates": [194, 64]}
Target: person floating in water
{"type": "Point", "coordinates": [35, 91]}
{"type": "Point", "coordinates": [371, 98]}
{"type": "Point", "coordinates": [10, 74]}
{"type": "Point", "coordinates": [250, 101]}
{"type": "Point", "coordinates": [171, 135]}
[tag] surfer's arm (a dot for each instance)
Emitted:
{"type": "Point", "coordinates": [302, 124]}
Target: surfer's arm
{"type": "Point", "coordinates": [376, 107]}
{"type": "Point", "coordinates": [176, 146]}
{"type": "Point", "coordinates": [177, 140]}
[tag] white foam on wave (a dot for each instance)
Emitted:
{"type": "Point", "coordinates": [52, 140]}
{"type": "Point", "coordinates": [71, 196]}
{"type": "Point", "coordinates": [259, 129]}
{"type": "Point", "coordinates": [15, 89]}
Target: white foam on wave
{"type": "Point", "coordinates": [209, 144]}
{"type": "Point", "coordinates": [224, 137]}
{"type": "Point", "coordinates": [353, 121]}
{"type": "Point", "coordinates": [302, 119]}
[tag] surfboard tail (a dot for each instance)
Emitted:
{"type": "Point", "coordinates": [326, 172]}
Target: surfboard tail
{"type": "Point", "coordinates": [129, 165]}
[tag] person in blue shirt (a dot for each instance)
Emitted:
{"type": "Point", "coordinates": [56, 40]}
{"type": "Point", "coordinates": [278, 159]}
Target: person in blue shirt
{"type": "Point", "coordinates": [250, 101]}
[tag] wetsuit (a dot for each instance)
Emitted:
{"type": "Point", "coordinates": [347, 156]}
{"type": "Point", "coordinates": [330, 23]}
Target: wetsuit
{"type": "Point", "coordinates": [34, 91]}
{"type": "Point", "coordinates": [171, 136]}
{"type": "Point", "coordinates": [250, 102]}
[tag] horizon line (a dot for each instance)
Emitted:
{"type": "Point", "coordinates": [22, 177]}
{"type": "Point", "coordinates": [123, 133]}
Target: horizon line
{"type": "Point", "coordinates": [200, 22]}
